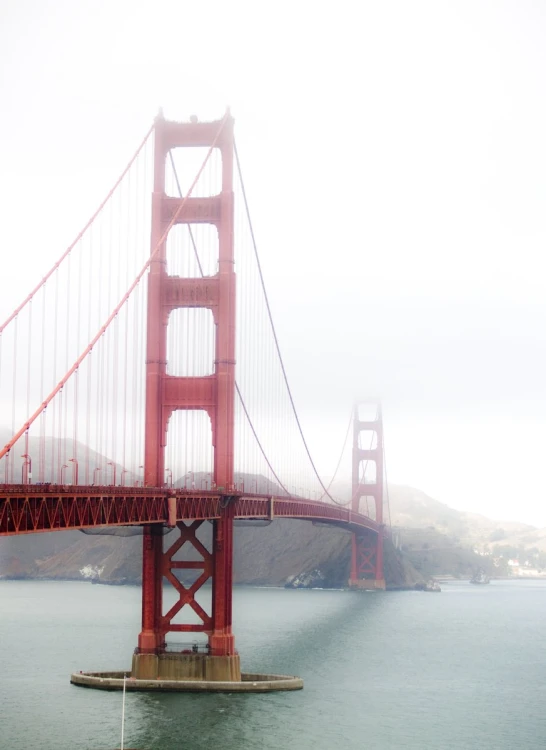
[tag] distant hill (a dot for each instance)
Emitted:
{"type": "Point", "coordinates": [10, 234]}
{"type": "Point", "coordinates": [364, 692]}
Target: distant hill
{"type": "Point", "coordinates": [411, 508]}
{"type": "Point", "coordinates": [49, 455]}
{"type": "Point", "coordinates": [432, 537]}
{"type": "Point", "coordinates": [264, 555]}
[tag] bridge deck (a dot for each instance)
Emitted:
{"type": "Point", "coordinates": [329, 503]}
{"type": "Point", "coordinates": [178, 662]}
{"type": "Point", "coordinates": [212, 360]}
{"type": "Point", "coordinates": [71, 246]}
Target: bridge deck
{"type": "Point", "coordinates": [27, 509]}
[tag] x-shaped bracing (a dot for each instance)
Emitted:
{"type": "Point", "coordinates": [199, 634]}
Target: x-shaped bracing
{"type": "Point", "coordinates": [187, 595]}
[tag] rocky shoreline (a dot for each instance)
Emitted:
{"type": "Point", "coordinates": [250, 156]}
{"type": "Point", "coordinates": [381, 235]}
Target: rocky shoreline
{"type": "Point", "coordinates": [315, 579]}
{"type": "Point", "coordinates": [275, 555]}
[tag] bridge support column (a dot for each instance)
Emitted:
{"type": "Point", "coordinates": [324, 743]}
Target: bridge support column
{"type": "Point", "coordinates": [221, 638]}
{"type": "Point", "coordinates": [367, 562]}
{"type": "Point", "coordinates": [367, 548]}
{"type": "Point", "coordinates": [214, 394]}
{"type": "Point", "coordinates": [218, 659]}
{"type": "Point", "coordinates": [152, 590]}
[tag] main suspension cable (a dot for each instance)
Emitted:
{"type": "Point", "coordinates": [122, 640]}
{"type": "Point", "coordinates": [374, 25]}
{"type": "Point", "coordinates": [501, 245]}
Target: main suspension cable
{"type": "Point", "coordinates": [270, 316]}
{"type": "Point", "coordinates": [80, 235]}
{"type": "Point", "coordinates": [338, 502]}
{"type": "Point", "coordinates": [258, 440]}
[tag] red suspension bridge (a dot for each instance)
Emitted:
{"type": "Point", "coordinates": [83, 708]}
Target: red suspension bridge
{"type": "Point", "coordinates": [122, 404]}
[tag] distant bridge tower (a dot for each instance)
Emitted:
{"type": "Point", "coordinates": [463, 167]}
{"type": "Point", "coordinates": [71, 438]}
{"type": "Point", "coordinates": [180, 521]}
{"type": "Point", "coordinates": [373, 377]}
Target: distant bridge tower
{"type": "Point", "coordinates": [213, 393]}
{"type": "Point", "coordinates": [367, 548]}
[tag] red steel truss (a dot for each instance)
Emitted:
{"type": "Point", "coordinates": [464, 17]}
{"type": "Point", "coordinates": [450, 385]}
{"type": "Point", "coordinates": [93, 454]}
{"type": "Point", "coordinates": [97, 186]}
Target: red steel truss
{"type": "Point", "coordinates": [28, 509]}
{"type": "Point", "coordinates": [186, 595]}
{"type": "Point", "coordinates": [364, 557]}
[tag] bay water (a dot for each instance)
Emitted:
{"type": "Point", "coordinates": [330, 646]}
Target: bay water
{"type": "Point", "coordinates": [462, 669]}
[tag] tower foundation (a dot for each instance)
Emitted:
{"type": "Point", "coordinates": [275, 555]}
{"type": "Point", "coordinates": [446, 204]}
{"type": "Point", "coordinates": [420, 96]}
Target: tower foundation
{"type": "Point", "coordinates": [186, 667]}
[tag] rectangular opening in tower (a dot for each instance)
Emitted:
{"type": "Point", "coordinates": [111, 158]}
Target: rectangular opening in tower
{"type": "Point", "coordinates": [182, 166]}
{"type": "Point", "coordinates": [191, 341]}
{"type": "Point", "coordinates": [368, 411]}
{"type": "Point", "coordinates": [368, 471]}
{"type": "Point", "coordinates": [192, 250]}
{"type": "Point", "coordinates": [189, 452]}
{"type": "Point", "coordinates": [367, 439]}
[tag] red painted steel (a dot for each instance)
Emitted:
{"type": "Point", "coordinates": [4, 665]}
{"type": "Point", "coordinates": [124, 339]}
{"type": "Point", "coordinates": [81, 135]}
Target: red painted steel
{"type": "Point", "coordinates": [367, 549]}
{"type": "Point", "coordinates": [214, 394]}
{"type": "Point", "coordinates": [27, 509]}
{"type": "Point", "coordinates": [186, 595]}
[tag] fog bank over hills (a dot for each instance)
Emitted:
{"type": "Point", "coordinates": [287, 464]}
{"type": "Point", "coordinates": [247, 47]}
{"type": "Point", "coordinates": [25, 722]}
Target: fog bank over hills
{"type": "Point", "coordinates": [407, 507]}
{"type": "Point", "coordinates": [57, 453]}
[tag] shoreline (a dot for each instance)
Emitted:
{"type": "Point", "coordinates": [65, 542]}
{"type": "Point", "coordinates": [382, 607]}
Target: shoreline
{"type": "Point", "coordinates": [441, 579]}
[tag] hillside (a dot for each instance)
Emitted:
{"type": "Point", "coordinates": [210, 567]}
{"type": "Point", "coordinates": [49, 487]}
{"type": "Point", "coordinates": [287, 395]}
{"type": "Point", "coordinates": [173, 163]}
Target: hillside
{"type": "Point", "coordinates": [58, 453]}
{"type": "Point", "coordinates": [431, 539]}
{"type": "Point", "coordinates": [264, 555]}
{"type": "Point", "coordinates": [412, 509]}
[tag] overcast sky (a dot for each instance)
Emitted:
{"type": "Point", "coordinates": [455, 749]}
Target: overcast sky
{"type": "Point", "coordinates": [395, 159]}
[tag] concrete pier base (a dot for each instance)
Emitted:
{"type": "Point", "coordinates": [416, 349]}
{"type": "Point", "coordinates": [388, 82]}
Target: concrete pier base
{"type": "Point", "coordinates": [249, 683]}
{"type": "Point", "coordinates": [368, 584]}
{"type": "Point", "coordinates": [177, 666]}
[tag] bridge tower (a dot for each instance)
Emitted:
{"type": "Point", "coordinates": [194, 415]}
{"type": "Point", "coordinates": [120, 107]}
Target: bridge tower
{"type": "Point", "coordinates": [367, 547]}
{"type": "Point", "coordinates": [212, 393]}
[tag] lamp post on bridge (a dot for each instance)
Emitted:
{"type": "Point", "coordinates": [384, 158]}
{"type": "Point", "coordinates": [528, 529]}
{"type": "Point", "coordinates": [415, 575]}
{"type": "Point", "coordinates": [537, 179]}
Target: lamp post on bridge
{"type": "Point", "coordinates": [74, 462]}
{"type": "Point", "coordinates": [95, 475]}
{"type": "Point", "coordinates": [170, 477]}
{"type": "Point", "coordinates": [63, 467]}
{"type": "Point", "coordinates": [26, 469]}
{"type": "Point", "coordinates": [113, 465]}
{"type": "Point", "coordinates": [141, 480]}
{"type": "Point", "coordinates": [123, 473]}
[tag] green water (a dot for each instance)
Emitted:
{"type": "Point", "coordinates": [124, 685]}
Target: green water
{"type": "Point", "coordinates": [461, 669]}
